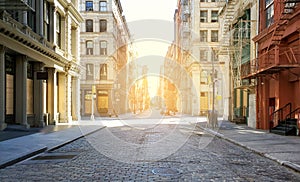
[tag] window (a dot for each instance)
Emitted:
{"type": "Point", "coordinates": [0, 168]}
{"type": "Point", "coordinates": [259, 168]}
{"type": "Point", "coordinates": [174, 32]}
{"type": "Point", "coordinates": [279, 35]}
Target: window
{"type": "Point", "coordinates": [213, 1]}
{"type": "Point", "coordinates": [203, 35]}
{"type": "Point", "coordinates": [89, 71]}
{"type": "Point", "coordinates": [103, 48]}
{"type": "Point", "coordinates": [103, 6]}
{"type": "Point", "coordinates": [203, 55]}
{"type": "Point", "coordinates": [58, 29]}
{"type": "Point", "coordinates": [269, 12]}
{"type": "Point", "coordinates": [186, 34]}
{"type": "Point", "coordinates": [46, 20]}
{"type": "Point", "coordinates": [214, 16]}
{"type": "Point", "coordinates": [203, 79]}
{"type": "Point", "coordinates": [203, 0]}
{"type": "Point", "coordinates": [89, 47]}
{"type": "Point", "coordinates": [89, 25]}
{"type": "Point", "coordinates": [214, 35]}
{"type": "Point", "coordinates": [89, 6]}
{"type": "Point", "coordinates": [203, 16]}
{"type": "Point", "coordinates": [203, 94]}
{"type": "Point", "coordinates": [103, 25]}
{"type": "Point", "coordinates": [103, 71]}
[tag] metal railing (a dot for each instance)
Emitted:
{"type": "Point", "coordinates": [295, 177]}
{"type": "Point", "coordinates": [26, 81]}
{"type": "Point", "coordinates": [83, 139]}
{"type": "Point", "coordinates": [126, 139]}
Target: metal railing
{"type": "Point", "coordinates": [277, 116]}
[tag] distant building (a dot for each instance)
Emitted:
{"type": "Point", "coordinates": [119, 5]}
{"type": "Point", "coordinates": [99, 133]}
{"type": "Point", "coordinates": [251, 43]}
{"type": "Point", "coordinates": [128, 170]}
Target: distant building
{"type": "Point", "coordinates": [39, 62]}
{"type": "Point", "coordinates": [105, 51]}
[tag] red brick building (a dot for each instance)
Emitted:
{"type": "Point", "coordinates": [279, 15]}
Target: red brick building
{"type": "Point", "coordinates": [277, 67]}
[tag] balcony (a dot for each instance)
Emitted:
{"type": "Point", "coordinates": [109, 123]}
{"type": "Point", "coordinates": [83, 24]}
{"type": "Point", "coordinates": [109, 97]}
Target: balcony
{"type": "Point", "coordinates": [17, 5]}
{"type": "Point", "coordinates": [273, 61]}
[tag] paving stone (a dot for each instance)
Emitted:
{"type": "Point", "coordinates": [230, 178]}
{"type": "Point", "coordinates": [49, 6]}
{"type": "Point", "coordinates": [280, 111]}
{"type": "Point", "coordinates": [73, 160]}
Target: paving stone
{"type": "Point", "coordinates": [218, 161]}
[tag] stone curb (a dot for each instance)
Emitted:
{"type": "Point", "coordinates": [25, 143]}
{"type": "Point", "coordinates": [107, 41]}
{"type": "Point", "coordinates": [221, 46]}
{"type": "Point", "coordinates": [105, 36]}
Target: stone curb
{"type": "Point", "coordinates": [43, 149]}
{"type": "Point", "coordinates": [288, 164]}
{"type": "Point", "coordinates": [22, 157]}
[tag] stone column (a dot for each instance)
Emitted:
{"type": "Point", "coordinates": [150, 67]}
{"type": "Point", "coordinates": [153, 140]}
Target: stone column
{"type": "Point", "coordinates": [76, 98]}
{"type": "Point", "coordinates": [52, 95]}
{"type": "Point", "coordinates": [38, 97]}
{"type": "Point", "coordinates": [21, 90]}
{"type": "Point", "coordinates": [2, 88]}
{"type": "Point", "coordinates": [69, 97]}
{"type": "Point", "coordinates": [64, 92]}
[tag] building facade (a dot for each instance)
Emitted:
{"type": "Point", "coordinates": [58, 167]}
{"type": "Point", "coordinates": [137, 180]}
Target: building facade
{"type": "Point", "coordinates": [239, 19]}
{"type": "Point", "coordinates": [198, 37]}
{"type": "Point", "coordinates": [39, 62]}
{"type": "Point", "coordinates": [105, 43]}
{"type": "Point", "coordinates": [277, 66]}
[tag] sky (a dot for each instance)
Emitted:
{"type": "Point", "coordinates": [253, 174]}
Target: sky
{"type": "Point", "coordinates": [149, 9]}
{"type": "Point", "coordinates": [151, 26]}
{"type": "Point", "coordinates": [150, 19]}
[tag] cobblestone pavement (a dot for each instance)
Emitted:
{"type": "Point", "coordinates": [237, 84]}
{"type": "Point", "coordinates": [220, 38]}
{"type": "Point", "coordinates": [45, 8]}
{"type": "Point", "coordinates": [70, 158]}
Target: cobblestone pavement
{"type": "Point", "coordinates": [219, 160]}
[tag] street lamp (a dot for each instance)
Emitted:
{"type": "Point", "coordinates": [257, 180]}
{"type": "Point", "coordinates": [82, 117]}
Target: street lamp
{"type": "Point", "coordinates": [93, 97]}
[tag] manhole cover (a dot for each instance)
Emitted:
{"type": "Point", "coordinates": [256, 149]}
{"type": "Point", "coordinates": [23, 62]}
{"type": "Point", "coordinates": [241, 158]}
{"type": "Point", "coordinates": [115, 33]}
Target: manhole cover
{"type": "Point", "coordinates": [165, 171]}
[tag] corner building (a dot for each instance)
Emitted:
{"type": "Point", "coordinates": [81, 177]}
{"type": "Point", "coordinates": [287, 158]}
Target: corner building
{"type": "Point", "coordinates": [277, 67]}
{"type": "Point", "coordinates": [39, 62]}
{"type": "Point", "coordinates": [105, 50]}
{"type": "Point", "coordinates": [199, 42]}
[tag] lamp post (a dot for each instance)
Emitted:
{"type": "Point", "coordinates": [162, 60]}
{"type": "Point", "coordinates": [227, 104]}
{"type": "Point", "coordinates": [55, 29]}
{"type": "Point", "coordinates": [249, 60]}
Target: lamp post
{"type": "Point", "coordinates": [93, 97]}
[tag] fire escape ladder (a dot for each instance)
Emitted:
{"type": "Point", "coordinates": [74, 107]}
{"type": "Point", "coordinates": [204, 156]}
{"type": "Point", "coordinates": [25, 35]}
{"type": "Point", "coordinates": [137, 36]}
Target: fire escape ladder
{"type": "Point", "coordinates": [289, 6]}
{"type": "Point", "coordinates": [229, 16]}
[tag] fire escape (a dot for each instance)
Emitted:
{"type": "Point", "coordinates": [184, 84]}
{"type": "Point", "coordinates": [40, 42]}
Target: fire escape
{"type": "Point", "coordinates": [273, 58]}
{"type": "Point", "coordinates": [228, 11]}
{"type": "Point", "coordinates": [240, 43]}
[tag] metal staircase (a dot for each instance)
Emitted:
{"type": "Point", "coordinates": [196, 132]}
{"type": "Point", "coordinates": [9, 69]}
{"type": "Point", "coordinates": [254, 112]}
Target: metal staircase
{"type": "Point", "coordinates": [284, 125]}
{"type": "Point", "coordinates": [281, 24]}
{"type": "Point", "coordinates": [229, 12]}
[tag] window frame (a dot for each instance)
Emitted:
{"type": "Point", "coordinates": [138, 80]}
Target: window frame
{"type": "Point", "coordinates": [101, 7]}
{"type": "Point", "coordinates": [203, 19]}
{"type": "Point", "coordinates": [89, 50]}
{"type": "Point", "coordinates": [103, 50]}
{"type": "Point", "coordinates": [103, 72]}
{"type": "Point", "coordinates": [202, 38]}
{"type": "Point", "coordinates": [214, 36]}
{"type": "Point", "coordinates": [269, 9]}
{"type": "Point", "coordinates": [89, 28]}
{"type": "Point", "coordinates": [214, 19]}
{"type": "Point", "coordinates": [58, 29]}
{"type": "Point", "coordinates": [103, 27]}
{"type": "Point", "coordinates": [89, 71]}
{"type": "Point", "coordinates": [89, 8]}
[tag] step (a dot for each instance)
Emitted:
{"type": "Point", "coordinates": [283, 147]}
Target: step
{"type": "Point", "coordinates": [279, 132]}
{"type": "Point", "coordinates": [291, 131]}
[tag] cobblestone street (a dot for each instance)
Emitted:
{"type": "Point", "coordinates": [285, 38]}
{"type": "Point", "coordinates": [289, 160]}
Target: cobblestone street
{"type": "Point", "coordinates": [200, 158]}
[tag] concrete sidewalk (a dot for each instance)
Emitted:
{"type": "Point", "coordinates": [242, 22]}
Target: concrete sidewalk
{"type": "Point", "coordinates": [17, 149]}
{"type": "Point", "coordinates": [282, 149]}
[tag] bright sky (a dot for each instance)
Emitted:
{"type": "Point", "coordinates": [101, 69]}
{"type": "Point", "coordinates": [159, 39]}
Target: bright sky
{"type": "Point", "coordinates": [150, 19]}
{"type": "Point", "coordinates": [151, 25]}
{"type": "Point", "coordinates": [149, 9]}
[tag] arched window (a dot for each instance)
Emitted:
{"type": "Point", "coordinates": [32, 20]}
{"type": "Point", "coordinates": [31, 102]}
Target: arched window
{"type": "Point", "coordinates": [203, 78]}
{"type": "Point", "coordinates": [103, 48]}
{"type": "Point", "coordinates": [89, 47]}
{"type": "Point", "coordinates": [103, 25]}
{"type": "Point", "coordinates": [89, 26]}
